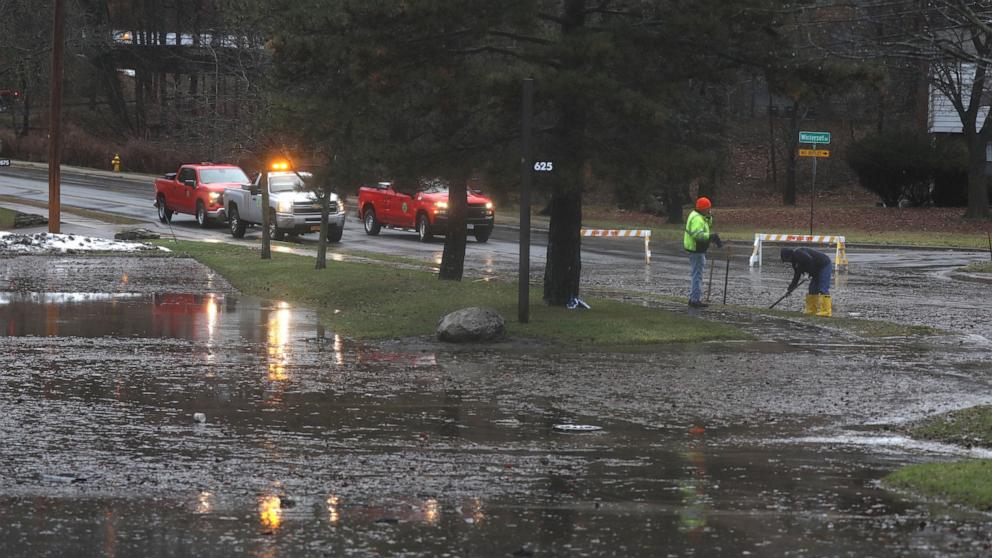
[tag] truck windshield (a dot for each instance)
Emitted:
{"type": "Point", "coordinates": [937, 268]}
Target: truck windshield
{"type": "Point", "coordinates": [286, 181]}
{"type": "Point", "coordinates": [217, 176]}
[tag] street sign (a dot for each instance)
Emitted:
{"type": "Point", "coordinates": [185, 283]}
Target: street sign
{"type": "Point", "coordinates": [4, 162]}
{"type": "Point", "coordinates": [544, 166]}
{"type": "Point", "coordinates": [820, 153]}
{"type": "Point", "coordinates": [821, 138]}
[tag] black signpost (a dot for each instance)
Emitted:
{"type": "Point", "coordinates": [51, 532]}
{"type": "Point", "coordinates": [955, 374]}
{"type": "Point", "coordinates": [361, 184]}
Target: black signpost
{"type": "Point", "coordinates": [523, 285]}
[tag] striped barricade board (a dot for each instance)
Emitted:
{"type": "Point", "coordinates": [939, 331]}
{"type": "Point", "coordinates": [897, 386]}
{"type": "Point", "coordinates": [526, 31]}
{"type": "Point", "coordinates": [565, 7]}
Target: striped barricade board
{"type": "Point", "coordinates": [624, 233]}
{"type": "Point", "coordinates": [840, 255]}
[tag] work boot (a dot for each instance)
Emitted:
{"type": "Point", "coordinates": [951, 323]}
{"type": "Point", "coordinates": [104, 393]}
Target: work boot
{"type": "Point", "coordinates": [697, 304]}
{"type": "Point", "coordinates": [824, 306]}
{"type": "Point", "coordinates": [811, 305]}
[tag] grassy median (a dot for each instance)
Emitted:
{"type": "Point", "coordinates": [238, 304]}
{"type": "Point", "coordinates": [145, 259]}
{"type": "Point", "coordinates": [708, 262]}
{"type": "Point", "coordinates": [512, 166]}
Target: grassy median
{"type": "Point", "coordinates": [371, 300]}
{"type": "Point", "coordinates": [962, 482]}
{"type": "Point", "coordinates": [965, 482]}
{"type": "Point", "coordinates": [979, 267]}
{"type": "Point", "coordinates": [7, 217]}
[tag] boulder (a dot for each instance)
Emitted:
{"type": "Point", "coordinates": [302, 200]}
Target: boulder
{"type": "Point", "coordinates": [471, 324]}
{"type": "Point", "coordinates": [135, 234]}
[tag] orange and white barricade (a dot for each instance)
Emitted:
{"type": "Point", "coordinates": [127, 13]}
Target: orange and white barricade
{"type": "Point", "coordinates": [624, 233]}
{"type": "Point", "coordinates": [840, 256]}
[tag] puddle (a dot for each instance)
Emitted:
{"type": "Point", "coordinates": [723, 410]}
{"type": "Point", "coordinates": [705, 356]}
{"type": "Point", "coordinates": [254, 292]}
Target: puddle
{"type": "Point", "coordinates": [312, 444]}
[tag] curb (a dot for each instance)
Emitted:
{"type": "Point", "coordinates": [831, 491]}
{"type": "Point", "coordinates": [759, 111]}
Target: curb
{"type": "Point", "coordinates": [83, 171]}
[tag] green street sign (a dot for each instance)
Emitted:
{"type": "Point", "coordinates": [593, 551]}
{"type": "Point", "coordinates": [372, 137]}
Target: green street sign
{"type": "Point", "coordinates": [821, 138]}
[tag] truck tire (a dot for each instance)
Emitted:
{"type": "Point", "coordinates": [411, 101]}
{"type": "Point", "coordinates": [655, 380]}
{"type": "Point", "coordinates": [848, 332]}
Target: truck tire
{"type": "Point", "coordinates": [482, 235]}
{"type": "Point", "coordinates": [164, 213]}
{"type": "Point", "coordinates": [275, 233]}
{"type": "Point", "coordinates": [334, 233]}
{"type": "Point", "coordinates": [372, 226]}
{"type": "Point", "coordinates": [424, 228]}
{"type": "Point", "coordinates": [201, 215]}
{"type": "Point", "coordinates": [238, 226]}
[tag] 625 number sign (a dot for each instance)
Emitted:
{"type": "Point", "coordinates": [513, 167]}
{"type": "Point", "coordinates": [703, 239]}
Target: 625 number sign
{"type": "Point", "coordinates": [544, 166]}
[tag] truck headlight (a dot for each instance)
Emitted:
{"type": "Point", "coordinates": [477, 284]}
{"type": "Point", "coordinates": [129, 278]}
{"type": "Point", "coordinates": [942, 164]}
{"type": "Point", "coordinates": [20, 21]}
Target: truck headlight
{"type": "Point", "coordinates": [285, 206]}
{"type": "Point", "coordinates": [213, 196]}
{"type": "Point", "coordinates": [441, 205]}
{"type": "Point", "coordinates": [340, 206]}
{"type": "Point", "coordinates": [489, 206]}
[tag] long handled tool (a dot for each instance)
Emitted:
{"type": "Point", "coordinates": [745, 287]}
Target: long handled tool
{"type": "Point", "coordinates": [709, 287]}
{"type": "Point", "coordinates": [786, 294]}
{"type": "Point", "coordinates": [726, 277]}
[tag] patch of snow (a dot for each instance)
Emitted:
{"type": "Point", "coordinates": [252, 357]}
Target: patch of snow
{"type": "Point", "coordinates": [43, 243]}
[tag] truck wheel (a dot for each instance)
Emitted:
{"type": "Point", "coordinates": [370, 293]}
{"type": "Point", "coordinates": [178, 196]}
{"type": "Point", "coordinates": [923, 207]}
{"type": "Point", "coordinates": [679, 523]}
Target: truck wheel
{"type": "Point", "coordinates": [237, 225]}
{"type": "Point", "coordinates": [372, 226]}
{"type": "Point", "coordinates": [334, 234]}
{"type": "Point", "coordinates": [482, 235]}
{"type": "Point", "coordinates": [164, 213]}
{"type": "Point", "coordinates": [201, 215]}
{"type": "Point", "coordinates": [275, 233]}
{"type": "Point", "coordinates": [424, 228]}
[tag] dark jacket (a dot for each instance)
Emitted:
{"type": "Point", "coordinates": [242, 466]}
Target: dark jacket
{"type": "Point", "coordinates": [804, 260]}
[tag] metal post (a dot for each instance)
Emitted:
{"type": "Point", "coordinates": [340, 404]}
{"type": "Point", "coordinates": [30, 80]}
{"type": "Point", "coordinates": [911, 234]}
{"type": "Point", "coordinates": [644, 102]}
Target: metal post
{"type": "Point", "coordinates": [812, 192]}
{"type": "Point", "coordinates": [523, 286]}
{"type": "Point", "coordinates": [55, 120]}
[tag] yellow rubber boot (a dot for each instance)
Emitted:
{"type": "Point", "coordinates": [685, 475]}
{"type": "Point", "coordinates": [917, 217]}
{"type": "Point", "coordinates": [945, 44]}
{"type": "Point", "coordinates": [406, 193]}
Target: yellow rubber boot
{"type": "Point", "coordinates": [824, 306]}
{"type": "Point", "coordinates": [811, 305]}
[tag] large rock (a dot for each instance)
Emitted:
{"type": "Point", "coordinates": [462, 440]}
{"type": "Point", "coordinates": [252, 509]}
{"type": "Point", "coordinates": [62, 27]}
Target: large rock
{"type": "Point", "coordinates": [471, 324]}
{"type": "Point", "coordinates": [136, 234]}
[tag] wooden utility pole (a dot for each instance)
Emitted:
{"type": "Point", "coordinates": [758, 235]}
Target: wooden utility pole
{"type": "Point", "coordinates": [55, 120]}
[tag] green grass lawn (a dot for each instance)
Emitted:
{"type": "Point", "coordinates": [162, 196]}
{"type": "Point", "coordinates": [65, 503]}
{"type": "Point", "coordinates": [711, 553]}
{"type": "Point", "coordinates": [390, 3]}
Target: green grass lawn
{"type": "Point", "coordinates": [972, 426]}
{"type": "Point", "coordinates": [370, 300]}
{"type": "Point", "coordinates": [979, 267]}
{"type": "Point", "coordinates": [963, 482]}
{"type": "Point", "coordinates": [7, 219]}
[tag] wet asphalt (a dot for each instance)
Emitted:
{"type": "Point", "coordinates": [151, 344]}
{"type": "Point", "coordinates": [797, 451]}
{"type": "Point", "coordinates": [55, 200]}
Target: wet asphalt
{"type": "Point", "coordinates": [312, 444]}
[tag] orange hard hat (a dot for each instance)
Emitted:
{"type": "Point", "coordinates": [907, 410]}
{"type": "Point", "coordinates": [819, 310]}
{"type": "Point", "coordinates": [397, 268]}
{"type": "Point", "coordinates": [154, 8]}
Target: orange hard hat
{"type": "Point", "coordinates": [703, 203]}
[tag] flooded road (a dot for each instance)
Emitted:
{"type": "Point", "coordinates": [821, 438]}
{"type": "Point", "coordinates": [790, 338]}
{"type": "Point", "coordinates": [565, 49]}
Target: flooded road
{"type": "Point", "coordinates": [314, 445]}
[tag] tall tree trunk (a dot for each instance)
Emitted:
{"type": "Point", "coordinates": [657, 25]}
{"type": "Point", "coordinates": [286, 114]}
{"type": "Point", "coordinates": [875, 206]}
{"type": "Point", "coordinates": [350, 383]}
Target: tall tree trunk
{"type": "Point", "coordinates": [563, 268]}
{"type": "Point", "coordinates": [673, 204]}
{"type": "Point", "coordinates": [453, 259]}
{"type": "Point", "coordinates": [978, 186]}
{"type": "Point", "coordinates": [789, 190]}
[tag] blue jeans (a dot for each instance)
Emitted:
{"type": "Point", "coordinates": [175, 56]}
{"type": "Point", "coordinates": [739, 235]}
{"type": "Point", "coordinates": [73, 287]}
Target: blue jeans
{"type": "Point", "coordinates": [697, 262]}
{"type": "Point", "coordinates": [820, 283]}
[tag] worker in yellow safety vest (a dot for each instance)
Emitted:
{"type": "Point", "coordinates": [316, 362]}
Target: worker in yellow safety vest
{"type": "Point", "coordinates": [696, 241]}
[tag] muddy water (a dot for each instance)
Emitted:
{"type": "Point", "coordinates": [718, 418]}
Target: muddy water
{"type": "Point", "coordinates": [313, 445]}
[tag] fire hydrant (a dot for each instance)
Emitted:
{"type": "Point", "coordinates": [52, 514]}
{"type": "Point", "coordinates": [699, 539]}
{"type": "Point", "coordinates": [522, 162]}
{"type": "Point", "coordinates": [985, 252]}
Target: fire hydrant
{"type": "Point", "coordinates": [116, 162]}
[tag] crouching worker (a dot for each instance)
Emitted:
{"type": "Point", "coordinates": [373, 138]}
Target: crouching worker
{"type": "Point", "coordinates": [819, 268]}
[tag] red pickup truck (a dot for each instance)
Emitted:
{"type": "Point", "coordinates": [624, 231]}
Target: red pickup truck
{"type": "Point", "coordinates": [197, 189]}
{"type": "Point", "coordinates": [425, 211]}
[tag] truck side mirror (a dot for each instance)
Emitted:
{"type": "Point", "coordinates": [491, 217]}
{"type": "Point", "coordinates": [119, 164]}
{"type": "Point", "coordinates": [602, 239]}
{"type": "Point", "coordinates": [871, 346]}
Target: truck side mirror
{"type": "Point", "coordinates": [190, 182]}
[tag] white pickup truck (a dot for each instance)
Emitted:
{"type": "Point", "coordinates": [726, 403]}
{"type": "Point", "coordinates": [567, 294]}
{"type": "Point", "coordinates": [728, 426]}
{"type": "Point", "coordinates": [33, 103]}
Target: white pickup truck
{"type": "Point", "coordinates": [292, 209]}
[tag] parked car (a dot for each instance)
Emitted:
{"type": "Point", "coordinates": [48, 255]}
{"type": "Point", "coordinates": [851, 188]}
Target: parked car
{"type": "Point", "coordinates": [425, 211]}
{"type": "Point", "coordinates": [197, 189]}
{"type": "Point", "coordinates": [292, 209]}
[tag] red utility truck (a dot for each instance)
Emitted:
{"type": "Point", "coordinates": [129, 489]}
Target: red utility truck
{"type": "Point", "coordinates": [425, 210]}
{"type": "Point", "coordinates": [197, 189]}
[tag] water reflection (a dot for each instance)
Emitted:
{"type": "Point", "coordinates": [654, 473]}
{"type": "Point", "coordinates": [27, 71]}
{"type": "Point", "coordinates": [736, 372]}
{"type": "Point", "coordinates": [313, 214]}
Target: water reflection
{"type": "Point", "coordinates": [278, 339]}
{"type": "Point", "coordinates": [204, 502]}
{"type": "Point", "coordinates": [333, 513]}
{"type": "Point", "coordinates": [270, 511]}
